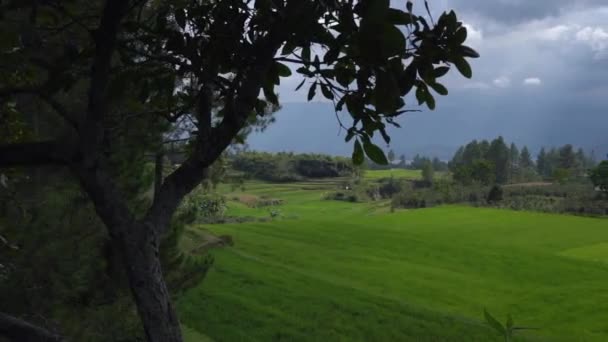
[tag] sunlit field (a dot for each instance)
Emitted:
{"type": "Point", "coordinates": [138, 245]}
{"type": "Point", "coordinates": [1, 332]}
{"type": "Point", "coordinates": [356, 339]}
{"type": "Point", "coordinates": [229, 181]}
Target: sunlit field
{"type": "Point", "coordinates": [329, 270]}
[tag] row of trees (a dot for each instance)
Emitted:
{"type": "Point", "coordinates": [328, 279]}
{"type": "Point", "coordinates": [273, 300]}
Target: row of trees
{"type": "Point", "coordinates": [564, 161]}
{"type": "Point", "coordinates": [494, 161]}
{"type": "Point", "coordinates": [417, 163]}
{"type": "Point", "coordinates": [288, 166]}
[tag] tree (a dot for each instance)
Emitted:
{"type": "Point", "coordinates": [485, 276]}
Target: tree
{"type": "Point", "coordinates": [391, 156]}
{"type": "Point", "coordinates": [418, 162]}
{"type": "Point", "coordinates": [428, 174]}
{"type": "Point", "coordinates": [561, 175]}
{"type": "Point", "coordinates": [439, 165]}
{"type": "Point", "coordinates": [199, 67]}
{"type": "Point", "coordinates": [484, 146]}
{"type": "Point", "coordinates": [457, 159]}
{"type": "Point", "coordinates": [472, 152]}
{"type": "Point", "coordinates": [402, 161]}
{"type": "Point", "coordinates": [483, 171]}
{"type": "Point", "coordinates": [513, 161]}
{"type": "Point", "coordinates": [541, 162]}
{"type": "Point", "coordinates": [599, 176]}
{"type": "Point", "coordinates": [498, 154]}
{"type": "Point", "coordinates": [495, 195]}
{"type": "Point", "coordinates": [525, 159]}
{"type": "Point", "coordinates": [567, 157]}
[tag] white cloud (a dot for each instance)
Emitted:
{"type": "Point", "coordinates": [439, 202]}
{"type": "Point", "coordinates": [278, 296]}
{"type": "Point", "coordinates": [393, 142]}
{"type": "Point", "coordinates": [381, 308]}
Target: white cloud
{"type": "Point", "coordinates": [474, 36]}
{"type": "Point", "coordinates": [596, 38]}
{"type": "Point", "coordinates": [502, 82]}
{"type": "Point", "coordinates": [554, 33]}
{"type": "Point", "coordinates": [532, 81]}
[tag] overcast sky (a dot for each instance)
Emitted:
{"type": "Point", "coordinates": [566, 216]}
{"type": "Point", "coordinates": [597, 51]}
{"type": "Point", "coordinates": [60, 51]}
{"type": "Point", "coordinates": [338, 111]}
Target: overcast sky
{"type": "Point", "coordinates": [543, 67]}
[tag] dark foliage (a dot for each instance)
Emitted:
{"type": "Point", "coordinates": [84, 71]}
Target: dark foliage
{"type": "Point", "coordinates": [495, 195]}
{"type": "Point", "coordinates": [286, 167]}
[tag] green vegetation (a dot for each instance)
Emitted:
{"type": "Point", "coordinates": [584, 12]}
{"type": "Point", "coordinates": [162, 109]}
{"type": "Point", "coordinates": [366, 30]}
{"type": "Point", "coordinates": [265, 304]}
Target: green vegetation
{"type": "Point", "coordinates": [330, 270]}
{"type": "Point", "coordinates": [489, 162]}
{"type": "Point", "coordinates": [599, 176]}
{"type": "Point", "coordinates": [101, 88]}
{"type": "Point", "coordinates": [285, 167]}
{"type": "Point", "coordinates": [396, 173]}
{"type": "Point", "coordinates": [98, 236]}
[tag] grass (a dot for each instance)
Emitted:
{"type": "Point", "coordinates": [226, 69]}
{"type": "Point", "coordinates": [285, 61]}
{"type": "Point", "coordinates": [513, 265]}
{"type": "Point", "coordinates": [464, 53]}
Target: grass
{"type": "Point", "coordinates": [400, 173]}
{"type": "Point", "coordinates": [349, 272]}
{"type": "Point", "coordinates": [396, 173]}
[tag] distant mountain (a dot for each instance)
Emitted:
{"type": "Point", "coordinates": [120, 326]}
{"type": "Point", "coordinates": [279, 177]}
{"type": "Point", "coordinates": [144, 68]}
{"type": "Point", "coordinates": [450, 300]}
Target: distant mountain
{"type": "Point", "coordinates": [313, 127]}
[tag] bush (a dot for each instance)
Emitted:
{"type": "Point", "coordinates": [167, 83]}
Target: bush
{"type": "Point", "coordinates": [495, 195]}
{"type": "Point", "coordinates": [201, 206]}
{"type": "Point", "coordinates": [442, 192]}
{"type": "Point", "coordinates": [347, 196]}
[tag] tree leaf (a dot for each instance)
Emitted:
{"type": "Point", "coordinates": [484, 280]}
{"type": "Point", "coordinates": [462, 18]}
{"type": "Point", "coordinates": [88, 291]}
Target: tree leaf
{"type": "Point", "coordinates": [468, 52]}
{"type": "Point", "coordinates": [429, 99]}
{"type": "Point", "coordinates": [494, 323]}
{"type": "Point", "coordinates": [326, 92]}
{"type": "Point", "coordinates": [408, 78]}
{"type": "Point", "coordinates": [509, 323]}
{"type": "Point", "coordinates": [357, 153]}
{"type": "Point", "coordinates": [283, 70]}
{"type": "Point", "coordinates": [463, 67]}
{"type": "Point", "coordinates": [287, 48]}
{"type": "Point", "coordinates": [439, 88]}
{"type": "Point", "coordinates": [312, 91]}
{"type": "Point", "coordinates": [393, 40]}
{"type": "Point", "coordinates": [386, 92]}
{"type": "Point", "coordinates": [300, 85]}
{"type": "Point", "coordinates": [385, 136]}
{"type": "Point", "coordinates": [420, 95]}
{"type": "Point", "coordinates": [175, 43]}
{"type": "Point", "coordinates": [306, 53]}
{"type": "Point", "coordinates": [340, 103]}
{"type": "Point", "coordinates": [398, 17]}
{"type": "Point", "coordinates": [331, 55]}
{"type": "Point", "coordinates": [180, 17]}
{"type": "Point", "coordinates": [375, 153]}
{"type": "Point", "coordinates": [460, 35]}
{"type": "Point", "coordinates": [270, 95]}
{"type": "Point", "coordinates": [441, 71]}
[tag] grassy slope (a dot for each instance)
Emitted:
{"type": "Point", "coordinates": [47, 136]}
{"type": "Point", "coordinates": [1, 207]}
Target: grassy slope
{"type": "Point", "coordinates": [338, 271]}
{"type": "Point", "coordinates": [397, 173]}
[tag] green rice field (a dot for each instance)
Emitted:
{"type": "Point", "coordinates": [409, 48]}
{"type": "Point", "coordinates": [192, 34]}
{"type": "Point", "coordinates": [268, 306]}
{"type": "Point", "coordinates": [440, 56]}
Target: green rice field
{"type": "Point", "coordinates": [336, 271]}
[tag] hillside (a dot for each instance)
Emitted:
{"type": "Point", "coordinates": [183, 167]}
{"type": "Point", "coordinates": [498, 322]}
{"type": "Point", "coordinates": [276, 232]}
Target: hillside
{"type": "Point", "coordinates": [328, 270]}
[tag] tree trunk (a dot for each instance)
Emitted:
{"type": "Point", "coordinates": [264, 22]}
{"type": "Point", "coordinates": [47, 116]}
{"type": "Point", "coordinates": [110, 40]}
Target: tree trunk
{"type": "Point", "coordinates": [158, 172]}
{"type": "Point", "coordinates": [141, 259]}
{"type": "Point", "coordinates": [16, 329]}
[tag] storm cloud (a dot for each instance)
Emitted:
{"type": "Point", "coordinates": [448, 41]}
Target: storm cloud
{"type": "Point", "coordinates": [542, 79]}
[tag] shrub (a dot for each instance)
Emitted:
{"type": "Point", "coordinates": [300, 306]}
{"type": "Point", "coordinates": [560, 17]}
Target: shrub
{"type": "Point", "coordinates": [495, 195]}
{"type": "Point", "coordinates": [599, 176]}
{"type": "Point", "coordinates": [348, 196]}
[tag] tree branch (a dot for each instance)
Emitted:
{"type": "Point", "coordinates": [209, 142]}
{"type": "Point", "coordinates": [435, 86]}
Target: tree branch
{"type": "Point", "coordinates": [92, 131]}
{"type": "Point", "coordinates": [46, 97]}
{"type": "Point", "coordinates": [34, 154]}
{"type": "Point", "coordinates": [213, 141]}
{"type": "Point", "coordinates": [91, 170]}
{"type": "Point", "coordinates": [20, 330]}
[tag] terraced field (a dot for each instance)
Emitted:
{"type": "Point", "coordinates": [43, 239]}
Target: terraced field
{"type": "Point", "coordinates": [335, 271]}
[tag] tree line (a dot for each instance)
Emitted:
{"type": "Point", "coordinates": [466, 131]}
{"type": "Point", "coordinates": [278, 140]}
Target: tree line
{"type": "Point", "coordinates": [489, 162]}
{"type": "Point", "coordinates": [289, 166]}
